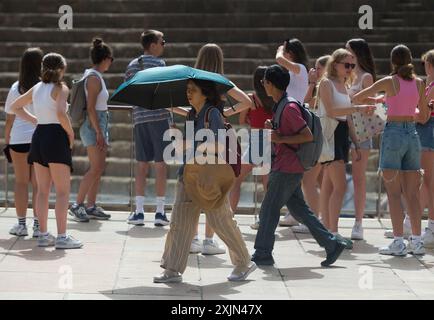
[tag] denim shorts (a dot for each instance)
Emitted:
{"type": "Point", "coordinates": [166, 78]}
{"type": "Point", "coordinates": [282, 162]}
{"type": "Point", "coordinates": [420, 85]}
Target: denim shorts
{"type": "Point", "coordinates": [365, 145]}
{"type": "Point", "coordinates": [426, 134]}
{"type": "Point", "coordinates": [149, 143]}
{"type": "Point", "coordinates": [400, 147]}
{"type": "Point", "coordinates": [88, 134]}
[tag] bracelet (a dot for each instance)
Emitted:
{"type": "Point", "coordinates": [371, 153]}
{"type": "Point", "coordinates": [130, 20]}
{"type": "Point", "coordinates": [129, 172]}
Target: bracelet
{"type": "Point", "coordinates": [232, 107]}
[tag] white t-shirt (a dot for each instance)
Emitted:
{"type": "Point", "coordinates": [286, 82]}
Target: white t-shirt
{"type": "Point", "coordinates": [103, 95]}
{"type": "Point", "coordinates": [22, 131]}
{"type": "Point", "coordinates": [298, 84]}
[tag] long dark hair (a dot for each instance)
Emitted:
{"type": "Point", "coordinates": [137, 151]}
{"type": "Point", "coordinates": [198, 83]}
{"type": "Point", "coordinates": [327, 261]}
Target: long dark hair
{"type": "Point", "coordinates": [364, 56]}
{"type": "Point", "coordinates": [266, 101]}
{"type": "Point", "coordinates": [298, 51]}
{"type": "Point", "coordinates": [401, 60]}
{"type": "Point", "coordinates": [30, 69]}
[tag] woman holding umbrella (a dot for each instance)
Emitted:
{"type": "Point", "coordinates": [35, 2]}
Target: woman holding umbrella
{"type": "Point", "coordinates": [203, 186]}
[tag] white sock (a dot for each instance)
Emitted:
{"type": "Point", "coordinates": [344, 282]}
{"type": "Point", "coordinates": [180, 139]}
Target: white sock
{"type": "Point", "coordinates": [400, 239]}
{"type": "Point", "coordinates": [61, 235]}
{"type": "Point", "coordinates": [407, 221]}
{"type": "Point", "coordinates": [431, 224]}
{"type": "Point", "coordinates": [160, 204]}
{"type": "Point", "coordinates": [209, 239]}
{"type": "Point", "coordinates": [415, 239]}
{"type": "Point", "coordinates": [140, 202]}
{"type": "Point", "coordinates": [196, 237]}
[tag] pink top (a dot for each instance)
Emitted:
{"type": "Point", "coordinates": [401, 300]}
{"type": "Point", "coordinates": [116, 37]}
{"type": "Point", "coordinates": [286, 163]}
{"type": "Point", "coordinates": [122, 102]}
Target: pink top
{"type": "Point", "coordinates": [405, 101]}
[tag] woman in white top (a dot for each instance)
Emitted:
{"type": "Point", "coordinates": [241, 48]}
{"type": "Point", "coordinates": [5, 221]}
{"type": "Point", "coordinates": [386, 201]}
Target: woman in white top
{"type": "Point", "coordinates": [94, 133]}
{"type": "Point", "coordinates": [364, 77]}
{"type": "Point", "coordinates": [334, 102]}
{"type": "Point", "coordinates": [18, 135]}
{"type": "Point", "coordinates": [50, 151]}
{"type": "Point", "coordinates": [293, 56]}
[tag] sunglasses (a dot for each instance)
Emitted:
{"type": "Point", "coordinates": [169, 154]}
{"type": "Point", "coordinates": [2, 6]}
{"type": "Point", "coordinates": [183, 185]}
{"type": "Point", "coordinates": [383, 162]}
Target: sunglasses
{"type": "Point", "coordinates": [163, 42]}
{"type": "Point", "coordinates": [423, 63]}
{"type": "Point", "coordinates": [348, 65]}
{"type": "Point", "coordinates": [111, 58]}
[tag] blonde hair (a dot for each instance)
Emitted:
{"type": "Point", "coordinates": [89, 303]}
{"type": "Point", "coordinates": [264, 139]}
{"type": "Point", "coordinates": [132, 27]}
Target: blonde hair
{"type": "Point", "coordinates": [336, 57]}
{"type": "Point", "coordinates": [210, 58]}
{"type": "Point", "coordinates": [428, 57]}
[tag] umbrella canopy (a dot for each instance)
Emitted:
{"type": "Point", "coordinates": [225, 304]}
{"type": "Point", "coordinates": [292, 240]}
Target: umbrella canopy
{"type": "Point", "coordinates": [164, 87]}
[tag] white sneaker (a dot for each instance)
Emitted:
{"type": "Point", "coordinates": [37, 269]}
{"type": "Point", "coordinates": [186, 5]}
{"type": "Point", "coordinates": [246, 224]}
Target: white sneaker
{"type": "Point", "coordinates": [68, 242]}
{"type": "Point", "coordinates": [238, 275]}
{"type": "Point", "coordinates": [211, 247]}
{"type": "Point", "coordinates": [357, 232]}
{"type": "Point", "coordinates": [415, 248]}
{"type": "Point", "coordinates": [196, 246]}
{"type": "Point", "coordinates": [301, 228]}
{"type": "Point", "coordinates": [19, 230]}
{"type": "Point", "coordinates": [396, 248]}
{"type": "Point", "coordinates": [47, 240]}
{"type": "Point", "coordinates": [288, 221]}
{"type": "Point", "coordinates": [168, 277]}
{"type": "Point", "coordinates": [428, 238]}
{"type": "Point", "coordinates": [255, 226]}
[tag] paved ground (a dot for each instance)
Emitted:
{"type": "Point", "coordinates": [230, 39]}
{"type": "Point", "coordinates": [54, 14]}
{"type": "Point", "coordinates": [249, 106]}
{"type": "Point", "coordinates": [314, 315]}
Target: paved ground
{"type": "Point", "coordinates": [118, 262]}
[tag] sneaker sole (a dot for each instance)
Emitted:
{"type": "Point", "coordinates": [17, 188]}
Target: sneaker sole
{"type": "Point", "coordinates": [19, 235]}
{"type": "Point", "coordinates": [73, 217]}
{"type": "Point", "coordinates": [46, 245]}
{"type": "Point", "coordinates": [213, 253]}
{"type": "Point", "coordinates": [98, 218]}
{"type": "Point", "coordinates": [171, 280]}
{"type": "Point", "coordinates": [161, 223]}
{"type": "Point", "coordinates": [66, 248]}
{"type": "Point", "coordinates": [394, 254]}
{"type": "Point", "coordinates": [137, 223]}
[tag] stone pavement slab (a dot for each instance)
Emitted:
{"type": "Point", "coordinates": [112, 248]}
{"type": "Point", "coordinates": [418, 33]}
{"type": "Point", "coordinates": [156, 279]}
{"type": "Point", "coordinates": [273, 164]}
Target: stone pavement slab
{"type": "Point", "coordinates": [118, 262]}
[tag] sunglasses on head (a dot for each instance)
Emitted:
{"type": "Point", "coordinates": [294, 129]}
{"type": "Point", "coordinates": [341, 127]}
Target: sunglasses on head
{"type": "Point", "coordinates": [348, 65]}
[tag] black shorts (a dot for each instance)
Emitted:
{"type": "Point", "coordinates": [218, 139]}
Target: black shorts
{"type": "Point", "coordinates": [50, 144]}
{"type": "Point", "coordinates": [342, 143]}
{"type": "Point", "coordinates": [20, 148]}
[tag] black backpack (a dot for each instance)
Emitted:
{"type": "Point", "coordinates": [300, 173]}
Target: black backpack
{"type": "Point", "coordinates": [308, 153]}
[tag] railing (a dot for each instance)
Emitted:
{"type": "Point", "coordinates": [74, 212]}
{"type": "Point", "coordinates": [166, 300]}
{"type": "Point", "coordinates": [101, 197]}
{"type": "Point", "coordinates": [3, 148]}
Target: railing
{"type": "Point", "coordinates": [118, 206]}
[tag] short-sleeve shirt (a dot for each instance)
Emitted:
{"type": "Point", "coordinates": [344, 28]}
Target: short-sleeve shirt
{"type": "Point", "coordinates": [141, 115]}
{"type": "Point", "coordinates": [22, 130]}
{"type": "Point", "coordinates": [298, 84]}
{"type": "Point", "coordinates": [291, 123]}
{"type": "Point", "coordinates": [216, 122]}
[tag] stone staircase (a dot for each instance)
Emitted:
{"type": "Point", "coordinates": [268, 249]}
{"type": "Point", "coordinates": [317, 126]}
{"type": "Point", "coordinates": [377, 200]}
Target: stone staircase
{"type": "Point", "coordinates": [248, 32]}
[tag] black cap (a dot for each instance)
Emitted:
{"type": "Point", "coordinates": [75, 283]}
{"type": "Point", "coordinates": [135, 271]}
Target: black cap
{"type": "Point", "coordinates": [278, 76]}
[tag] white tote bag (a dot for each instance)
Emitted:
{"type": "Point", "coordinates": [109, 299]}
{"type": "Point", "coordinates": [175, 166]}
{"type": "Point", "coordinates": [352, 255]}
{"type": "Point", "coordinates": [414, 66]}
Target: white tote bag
{"type": "Point", "coordinates": [328, 131]}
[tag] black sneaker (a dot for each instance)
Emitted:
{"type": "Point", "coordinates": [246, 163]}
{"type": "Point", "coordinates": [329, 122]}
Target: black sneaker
{"type": "Point", "coordinates": [78, 213]}
{"type": "Point", "coordinates": [334, 255]}
{"type": "Point", "coordinates": [97, 213]}
{"type": "Point", "coordinates": [161, 220]}
{"type": "Point", "coordinates": [262, 260]}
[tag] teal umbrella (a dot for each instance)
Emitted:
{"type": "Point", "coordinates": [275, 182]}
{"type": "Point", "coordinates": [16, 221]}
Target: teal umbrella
{"type": "Point", "coordinates": [164, 87]}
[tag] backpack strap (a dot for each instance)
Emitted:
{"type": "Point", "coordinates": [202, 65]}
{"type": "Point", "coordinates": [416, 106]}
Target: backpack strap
{"type": "Point", "coordinates": [207, 117]}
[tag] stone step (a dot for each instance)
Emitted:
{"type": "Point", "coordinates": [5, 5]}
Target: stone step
{"type": "Point", "coordinates": [260, 35]}
{"type": "Point", "coordinates": [217, 6]}
{"type": "Point", "coordinates": [190, 50]}
{"type": "Point", "coordinates": [245, 66]}
{"type": "Point", "coordinates": [187, 20]}
{"type": "Point", "coordinates": [113, 80]}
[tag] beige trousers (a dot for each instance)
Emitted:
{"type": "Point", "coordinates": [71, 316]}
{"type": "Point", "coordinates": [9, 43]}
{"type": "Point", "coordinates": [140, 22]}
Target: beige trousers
{"type": "Point", "coordinates": [183, 222]}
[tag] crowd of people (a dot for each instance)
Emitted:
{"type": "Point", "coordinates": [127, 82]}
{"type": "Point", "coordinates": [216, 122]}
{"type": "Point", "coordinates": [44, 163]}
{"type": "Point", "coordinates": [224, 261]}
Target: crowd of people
{"type": "Point", "coordinates": [40, 138]}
